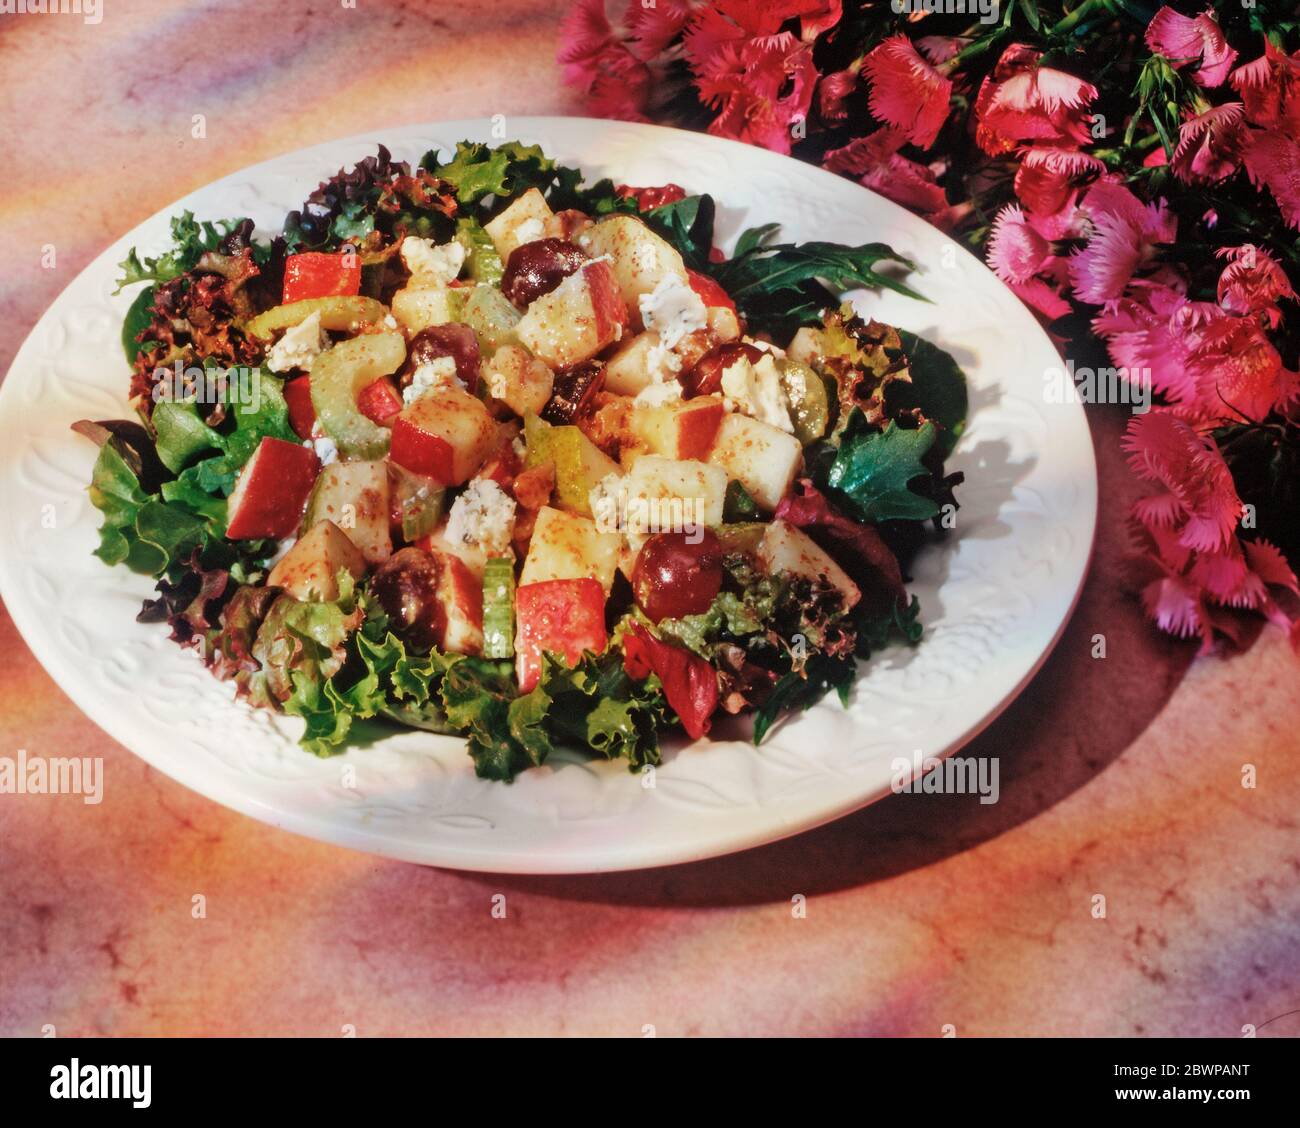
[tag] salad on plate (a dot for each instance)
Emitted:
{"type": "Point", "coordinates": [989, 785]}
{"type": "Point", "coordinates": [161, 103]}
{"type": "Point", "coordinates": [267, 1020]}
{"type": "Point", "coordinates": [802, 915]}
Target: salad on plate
{"type": "Point", "coordinates": [479, 448]}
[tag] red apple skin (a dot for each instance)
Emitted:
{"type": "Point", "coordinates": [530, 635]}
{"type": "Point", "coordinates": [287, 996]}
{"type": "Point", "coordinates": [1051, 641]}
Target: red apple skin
{"type": "Point", "coordinates": [379, 402]}
{"type": "Point", "coordinates": [314, 274]}
{"type": "Point", "coordinates": [698, 427]}
{"type": "Point", "coordinates": [421, 452]}
{"type": "Point", "coordinates": [607, 305]}
{"type": "Point", "coordinates": [446, 435]}
{"type": "Point", "coordinates": [710, 293]}
{"type": "Point", "coordinates": [302, 415]}
{"type": "Point", "coordinates": [458, 609]}
{"type": "Point", "coordinates": [272, 491]}
{"type": "Point", "coordinates": [564, 617]}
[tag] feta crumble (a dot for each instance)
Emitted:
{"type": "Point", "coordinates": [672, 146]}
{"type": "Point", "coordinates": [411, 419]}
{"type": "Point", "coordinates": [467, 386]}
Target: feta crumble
{"type": "Point", "coordinates": [662, 363]}
{"type": "Point", "coordinates": [325, 447]}
{"type": "Point", "coordinates": [299, 346]}
{"type": "Point", "coordinates": [605, 499]}
{"type": "Point", "coordinates": [673, 310]}
{"type": "Point", "coordinates": [439, 373]}
{"type": "Point", "coordinates": [755, 390]}
{"type": "Point", "coordinates": [432, 266]}
{"type": "Point", "coordinates": [484, 517]}
{"type": "Point", "coordinates": [658, 394]}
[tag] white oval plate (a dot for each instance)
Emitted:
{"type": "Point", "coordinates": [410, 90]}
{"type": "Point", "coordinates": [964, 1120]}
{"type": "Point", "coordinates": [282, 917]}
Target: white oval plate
{"type": "Point", "coordinates": [995, 596]}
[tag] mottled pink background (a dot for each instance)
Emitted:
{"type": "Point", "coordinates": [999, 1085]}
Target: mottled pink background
{"type": "Point", "coordinates": [1120, 776]}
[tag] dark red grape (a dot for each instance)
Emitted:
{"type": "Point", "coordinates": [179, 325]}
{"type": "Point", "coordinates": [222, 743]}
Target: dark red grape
{"type": "Point", "coordinates": [705, 378]}
{"type": "Point", "coordinates": [452, 339]}
{"type": "Point", "coordinates": [573, 393]}
{"type": "Point", "coordinates": [536, 268]}
{"type": "Point", "coordinates": [406, 585]}
{"type": "Point", "coordinates": [674, 577]}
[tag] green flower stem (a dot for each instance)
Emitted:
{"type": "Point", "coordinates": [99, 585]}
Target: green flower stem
{"type": "Point", "coordinates": [1068, 23]}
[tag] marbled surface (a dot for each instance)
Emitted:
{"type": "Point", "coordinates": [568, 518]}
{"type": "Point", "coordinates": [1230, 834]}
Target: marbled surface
{"type": "Point", "coordinates": [1120, 776]}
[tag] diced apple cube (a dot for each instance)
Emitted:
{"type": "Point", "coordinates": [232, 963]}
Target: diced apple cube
{"type": "Point", "coordinates": [272, 491]}
{"type": "Point", "coordinates": [632, 368]}
{"type": "Point", "coordinates": [685, 429]}
{"type": "Point", "coordinates": [760, 457]}
{"type": "Point", "coordinates": [723, 323]}
{"type": "Point", "coordinates": [458, 607]}
{"type": "Point", "coordinates": [562, 617]}
{"type": "Point", "coordinates": [641, 258]}
{"type": "Point", "coordinates": [524, 221]}
{"type": "Point", "coordinates": [415, 449]}
{"type": "Point", "coordinates": [302, 415]}
{"type": "Point", "coordinates": [808, 346]}
{"type": "Point", "coordinates": [380, 402]}
{"type": "Point", "coordinates": [577, 319]}
{"type": "Point", "coordinates": [419, 308]}
{"type": "Point", "coordinates": [788, 551]}
{"type": "Point", "coordinates": [667, 494]}
{"type": "Point", "coordinates": [519, 380]}
{"type": "Point", "coordinates": [355, 497]}
{"type": "Point", "coordinates": [310, 569]}
{"type": "Point", "coordinates": [437, 543]}
{"type": "Point", "coordinates": [565, 546]}
{"type": "Point", "coordinates": [445, 434]}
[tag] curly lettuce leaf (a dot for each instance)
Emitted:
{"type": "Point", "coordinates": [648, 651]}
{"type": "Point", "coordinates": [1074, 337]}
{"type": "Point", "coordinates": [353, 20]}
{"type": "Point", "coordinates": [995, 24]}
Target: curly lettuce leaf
{"type": "Point", "coordinates": [300, 646]}
{"type": "Point", "coordinates": [476, 693]}
{"type": "Point", "coordinates": [373, 203]}
{"type": "Point", "coordinates": [865, 359]}
{"type": "Point", "coordinates": [191, 604]}
{"type": "Point", "coordinates": [191, 240]}
{"type": "Point", "coordinates": [357, 670]}
{"type": "Point", "coordinates": [594, 705]}
{"type": "Point", "coordinates": [732, 617]}
{"type": "Point", "coordinates": [485, 176]}
{"type": "Point", "coordinates": [477, 170]}
{"type": "Point", "coordinates": [801, 688]}
{"type": "Point", "coordinates": [599, 199]}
